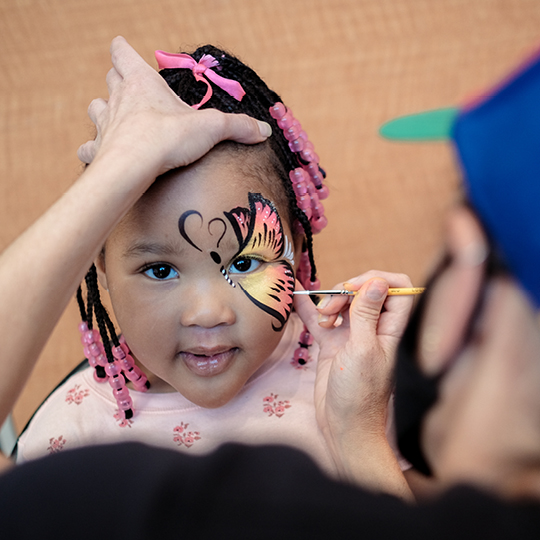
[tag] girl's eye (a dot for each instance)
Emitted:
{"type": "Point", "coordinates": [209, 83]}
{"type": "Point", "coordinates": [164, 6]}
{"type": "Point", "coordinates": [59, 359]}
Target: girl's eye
{"type": "Point", "coordinates": [161, 272]}
{"type": "Point", "coordinates": [241, 266]}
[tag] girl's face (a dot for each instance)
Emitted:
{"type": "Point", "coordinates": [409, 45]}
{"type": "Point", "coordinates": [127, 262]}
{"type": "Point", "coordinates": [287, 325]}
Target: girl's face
{"type": "Point", "coordinates": [200, 274]}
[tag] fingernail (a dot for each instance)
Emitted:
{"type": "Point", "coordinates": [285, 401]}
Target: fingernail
{"type": "Point", "coordinates": [376, 289]}
{"type": "Point", "coordinates": [324, 302]}
{"type": "Point", "coordinates": [264, 128]}
{"type": "Point", "coordinates": [323, 318]}
{"type": "Point", "coordinates": [355, 282]}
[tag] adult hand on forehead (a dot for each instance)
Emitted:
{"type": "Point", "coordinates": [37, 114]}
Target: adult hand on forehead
{"type": "Point", "coordinates": [356, 361]}
{"type": "Point", "coordinates": [145, 121]}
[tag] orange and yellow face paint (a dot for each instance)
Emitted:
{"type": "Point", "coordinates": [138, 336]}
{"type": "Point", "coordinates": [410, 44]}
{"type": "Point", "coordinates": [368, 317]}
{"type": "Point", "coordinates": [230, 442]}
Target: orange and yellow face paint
{"type": "Point", "coordinates": [260, 236]}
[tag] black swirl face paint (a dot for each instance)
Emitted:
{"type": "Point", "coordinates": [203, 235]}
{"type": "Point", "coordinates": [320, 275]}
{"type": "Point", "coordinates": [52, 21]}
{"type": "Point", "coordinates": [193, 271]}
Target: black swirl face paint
{"type": "Point", "coordinates": [214, 254]}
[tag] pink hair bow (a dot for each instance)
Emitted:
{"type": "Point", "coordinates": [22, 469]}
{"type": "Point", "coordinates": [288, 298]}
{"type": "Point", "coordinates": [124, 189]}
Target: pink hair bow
{"type": "Point", "coordinates": [202, 67]}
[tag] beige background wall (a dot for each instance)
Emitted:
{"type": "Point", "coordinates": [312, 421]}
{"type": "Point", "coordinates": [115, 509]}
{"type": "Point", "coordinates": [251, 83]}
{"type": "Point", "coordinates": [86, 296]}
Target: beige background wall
{"type": "Point", "coordinates": [343, 66]}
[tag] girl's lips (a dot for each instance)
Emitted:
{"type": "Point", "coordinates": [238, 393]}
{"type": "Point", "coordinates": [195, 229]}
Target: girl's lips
{"type": "Point", "coordinates": [208, 365]}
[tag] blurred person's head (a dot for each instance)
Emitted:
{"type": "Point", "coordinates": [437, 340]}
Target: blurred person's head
{"type": "Point", "coordinates": [468, 375]}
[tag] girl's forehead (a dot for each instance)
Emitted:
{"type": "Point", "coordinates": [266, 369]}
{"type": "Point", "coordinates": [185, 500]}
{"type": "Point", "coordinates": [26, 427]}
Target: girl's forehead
{"type": "Point", "coordinates": [219, 182]}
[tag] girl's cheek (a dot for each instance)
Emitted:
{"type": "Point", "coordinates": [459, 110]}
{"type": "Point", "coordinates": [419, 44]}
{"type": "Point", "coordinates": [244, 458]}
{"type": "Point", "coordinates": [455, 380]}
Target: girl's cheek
{"type": "Point", "coordinates": [271, 291]}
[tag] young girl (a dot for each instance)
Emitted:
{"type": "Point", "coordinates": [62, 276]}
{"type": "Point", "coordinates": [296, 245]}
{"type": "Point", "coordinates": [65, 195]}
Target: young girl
{"type": "Point", "coordinates": [200, 273]}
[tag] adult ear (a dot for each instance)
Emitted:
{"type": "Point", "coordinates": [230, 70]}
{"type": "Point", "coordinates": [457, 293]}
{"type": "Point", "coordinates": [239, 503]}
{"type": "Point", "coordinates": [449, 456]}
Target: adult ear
{"type": "Point", "coordinates": [100, 267]}
{"type": "Point", "coordinates": [455, 293]}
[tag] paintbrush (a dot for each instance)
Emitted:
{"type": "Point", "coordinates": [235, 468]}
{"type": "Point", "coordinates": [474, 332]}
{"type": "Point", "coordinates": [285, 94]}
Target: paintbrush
{"type": "Point", "coordinates": [393, 291]}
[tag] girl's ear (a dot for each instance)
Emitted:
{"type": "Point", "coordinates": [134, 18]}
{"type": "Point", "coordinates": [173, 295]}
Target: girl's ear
{"type": "Point", "coordinates": [101, 273]}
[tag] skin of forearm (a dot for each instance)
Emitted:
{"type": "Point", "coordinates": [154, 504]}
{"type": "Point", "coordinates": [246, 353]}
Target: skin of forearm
{"type": "Point", "coordinates": [41, 270]}
{"type": "Point", "coordinates": [369, 462]}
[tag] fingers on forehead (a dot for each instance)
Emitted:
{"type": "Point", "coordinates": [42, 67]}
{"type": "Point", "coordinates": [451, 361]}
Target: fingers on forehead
{"type": "Point", "coordinates": [124, 57]}
{"type": "Point", "coordinates": [112, 79]}
{"type": "Point", "coordinates": [95, 108]}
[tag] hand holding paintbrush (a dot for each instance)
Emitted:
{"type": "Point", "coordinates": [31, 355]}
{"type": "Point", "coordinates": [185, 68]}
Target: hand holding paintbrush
{"type": "Point", "coordinates": [357, 341]}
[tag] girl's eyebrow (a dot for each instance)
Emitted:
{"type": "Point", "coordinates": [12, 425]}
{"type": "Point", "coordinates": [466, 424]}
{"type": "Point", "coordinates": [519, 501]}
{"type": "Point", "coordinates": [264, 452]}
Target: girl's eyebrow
{"type": "Point", "coordinates": [154, 248]}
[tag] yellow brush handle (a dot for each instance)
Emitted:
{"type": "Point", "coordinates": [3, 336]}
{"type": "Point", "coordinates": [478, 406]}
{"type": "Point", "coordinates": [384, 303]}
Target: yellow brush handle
{"type": "Point", "coordinates": [405, 291]}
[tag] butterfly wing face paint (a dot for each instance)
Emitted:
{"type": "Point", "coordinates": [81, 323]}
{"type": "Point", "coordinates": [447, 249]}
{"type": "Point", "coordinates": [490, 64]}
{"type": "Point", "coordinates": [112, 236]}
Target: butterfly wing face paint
{"type": "Point", "coordinates": [261, 238]}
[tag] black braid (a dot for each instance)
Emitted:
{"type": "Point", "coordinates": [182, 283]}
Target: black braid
{"type": "Point", "coordinates": [102, 317]}
{"type": "Point", "coordinates": [256, 103]}
{"type": "Point", "coordinates": [90, 307]}
{"type": "Point", "coordinates": [80, 302]}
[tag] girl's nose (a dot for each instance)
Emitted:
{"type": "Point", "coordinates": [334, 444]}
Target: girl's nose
{"type": "Point", "coordinates": [208, 306]}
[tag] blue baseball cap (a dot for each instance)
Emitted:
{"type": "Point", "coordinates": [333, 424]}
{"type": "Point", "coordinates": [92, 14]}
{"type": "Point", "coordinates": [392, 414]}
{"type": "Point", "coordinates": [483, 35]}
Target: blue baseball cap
{"type": "Point", "coordinates": [497, 141]}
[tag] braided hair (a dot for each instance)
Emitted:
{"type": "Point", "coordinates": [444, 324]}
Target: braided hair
{"type": "Point", "coordinates": [257, 102]}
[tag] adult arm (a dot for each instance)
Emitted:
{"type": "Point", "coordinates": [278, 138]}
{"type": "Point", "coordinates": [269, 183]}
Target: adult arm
{"type": "Point", "coordinates": [144, 129]}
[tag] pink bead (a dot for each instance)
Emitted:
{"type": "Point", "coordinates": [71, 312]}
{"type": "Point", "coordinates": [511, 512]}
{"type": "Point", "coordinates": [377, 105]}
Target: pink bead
{"type": "Point", "coordinates": [301, 354]}
{"type": "Point", "coordinates": [306, 338]}
{"type": "Point", "coordinates": [92, 361]}
{"type": "Point", "coordinates": [307, 155]}
{"type": "Point", "coordinates": [125, 404]}
{"type": "Point", "coordinates": [83, 327]}
{"type": "Point", "coordinates": [312, 168]}
{"type": "Point", "coordinates": [286, 122]}
{"type": "Point", "coordinates": [298, 175]}
{"type": "Point", "coordinates": [121, 393]}
{"type": "Point", "coordinates": [101, 359]}
{"type": "Point", "coordinates": [315, 285]}
{"type": "Point", "coordinates": [95, 350]}
{"type": "Point", "coordinates": [291, 133]}
{"type": "Point", "coordinates": [317, 180]}
{"type": "Point", "coordinates": [317, 225]}
{"type": "Point", "coordinates": [304, 202]}
{"type": "Point", "coordinates": [278, 110]}
{"type": "Point", "coordinates": [300, 189]}
{"type": "Point", "coordinates": [313, 171]}
{"type": "Point", "coordinates": [303, 135]}
{"type": "Point", "coordinates": [323, 192]}
{"type": "Point", "coordinates": [297, 145]}
{"type": "Point", "coordinates": [112, 369]}
{"type": "Point", "coordinates": [97, 335]}
{"type": "Point", "coordinates": [134, 374]}
{"type": "Point", "coordinates": [141, 384]}
{"type": "Point", "coordinates": [118, 352]}
{"type": "Point", "coordinates": [312, 190]}
{"type": "Point", "coordinates": [318, 210]}
{"type": "Point", "coordinates": [117, 382]}
{"type": "Point", "coordinates": [310, 147]}
{"type": "Point", "coordinates": [88, 337]}
{"type": "Point", "coordinates": [88, 353]}
{"type": "Point", "coordinates": [127, 363]}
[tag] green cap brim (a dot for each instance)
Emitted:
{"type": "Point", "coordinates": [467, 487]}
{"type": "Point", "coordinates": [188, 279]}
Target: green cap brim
{"type": "Point", "coordinates": [433, 125]}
